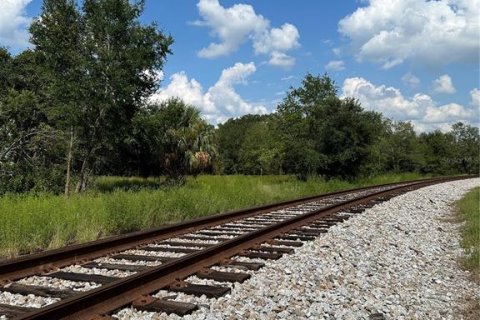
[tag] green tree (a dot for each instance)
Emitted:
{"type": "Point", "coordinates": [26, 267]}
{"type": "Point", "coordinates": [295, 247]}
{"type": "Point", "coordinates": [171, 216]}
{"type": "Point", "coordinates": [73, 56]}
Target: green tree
{"type": "Point", "coordinates": [295, 113]}
{"type": "Point", "coordinates": [262, 150]}
{"type": "Point", "coordinates": [58, 35]}
{"type": "Point", "coordinates": [344, 133]}
{"type": "Point", "coordinates": [29, 146]}
{"type": "Point", "coordinates": [401, 148]}
{"type": "Point", "coordinates": [324, 134]}
{"type": "Point", "coordinates": [173, 136]}
{"type": "Point", "coordinates": [438, 150]}
{"type": "Point", "coordinates": [5, 72]}
{"type": "Point", "coordinates": [467, 148]}
{"type": "Point", "coordinates": [104, 64]}
{"type": "Point", "coordinates": [231, 136]}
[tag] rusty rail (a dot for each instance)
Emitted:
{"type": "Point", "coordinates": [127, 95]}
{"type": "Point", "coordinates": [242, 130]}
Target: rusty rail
{"type": "Point", "coordinates": [109, 297]}
{"type": "Point", "coordinates": [32, 264]}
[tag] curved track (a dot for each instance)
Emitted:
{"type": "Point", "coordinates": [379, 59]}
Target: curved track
{"type": "Point", "coordinates": [197, 248]}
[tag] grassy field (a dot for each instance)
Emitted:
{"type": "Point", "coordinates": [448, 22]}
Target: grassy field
{"type": "Point", "coordinates": [33, 222]}
{"type": "Point", "coordinates": [469, 211]}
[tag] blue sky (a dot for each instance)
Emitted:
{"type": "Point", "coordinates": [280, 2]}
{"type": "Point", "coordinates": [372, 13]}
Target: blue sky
{"type": "Point", "coordinates": [411, 60]}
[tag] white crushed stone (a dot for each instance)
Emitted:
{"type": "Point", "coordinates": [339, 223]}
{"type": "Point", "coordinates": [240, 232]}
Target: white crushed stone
{"type": "Point", "coordinates": [44, 281]}
{"type": "Point", "coordinates": [399, 258]}
{"type": "Point", "coordinates": [154, 253]}
{"type": "Point", "coordinates": [127, 262]}
{"type": "Point", "coordinates": [191, 241]}
{"type": "Point", "coordinates": [167, 246]}
{"type": "Point", "coordinates": [99, 271]}
{"type": "Point", "coordinates": [30, 301]}
{"type": "Point", "coordinates": [232, 269]}
{"type": "Point", "coordinates": [221, 232]}
{"type": "Point", "coordinates": [211, 238]}
{"type": "Point", "coordinates": [210, 282]}
{"type": "Point", "coordinates": [246, 259]}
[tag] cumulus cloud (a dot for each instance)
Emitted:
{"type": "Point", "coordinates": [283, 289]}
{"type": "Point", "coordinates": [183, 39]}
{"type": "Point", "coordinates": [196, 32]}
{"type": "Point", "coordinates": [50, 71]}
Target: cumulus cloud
{"type": "Point", "coordinates": [14, 23]}
{"type": "Point", "coordinates": [434, 33]}
{"type": "Point", "coordinates": [447, 113]}
{"type": "Point", "coordinates": [276, 39]}
{"type": "Point", "coordinates": [421, 109]}
{"type": "Point", "coordinates": [335, 65]}
{"type": "Point", "coordinates": [410, 80]}
{"type": "Point", "coordinates": [475, 98]}
{"type": "Point", "coordinates": [220, 101]}
{"type": "Point", "coordinates": [281, 59]}
{"type": "Point", "coordinates": [236, 25]}
{"type": "Point", "coordinates": [443, 85]}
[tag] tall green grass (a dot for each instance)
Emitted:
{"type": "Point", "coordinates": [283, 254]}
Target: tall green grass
{"type": "Point", "coordinates": [34, 222]}
{"type": "Point", "coordinates": [469, 211]}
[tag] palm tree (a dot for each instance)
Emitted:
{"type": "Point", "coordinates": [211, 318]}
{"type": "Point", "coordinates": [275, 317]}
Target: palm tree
{"type": "Point", "coordinates": [188, 141]}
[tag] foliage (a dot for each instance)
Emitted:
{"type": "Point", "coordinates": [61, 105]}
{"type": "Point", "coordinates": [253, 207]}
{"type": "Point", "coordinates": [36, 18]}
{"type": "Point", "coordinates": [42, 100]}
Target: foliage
{"type": "Point", "coordinates": [173, 139]}
{"type": "Point", "coordinates": [437, 152]}
{"type": "Point", "coordinates": [466, 148]}
{"type": "Point", "coordinates": [29, 146]}
{"type": "Point", "coordinates": [397, 149]}
{"type": "Point", "coordinates": [324, 134]}
{"type": "Point", "coordinates": [262, 150]}
{"type": "Point", "coordinates": [77, 105]}
{"type": "Point", "coordinates": [103, 64]}
{"type": "Point", "coordinates": [230, 137]}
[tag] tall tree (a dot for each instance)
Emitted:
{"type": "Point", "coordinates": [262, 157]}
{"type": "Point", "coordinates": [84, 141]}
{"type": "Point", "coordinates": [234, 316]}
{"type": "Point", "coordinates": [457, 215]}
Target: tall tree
{"type": "Point", "coordinates": [104, 63]}
{"type": "Point", "coordinates": [295, 113]}
{"type": "Point", "coordinates": [58, 35]}
{"type": "Point", "coordinates": [467, 148]}
{"type": "Point", "coordinates": [325, 134]}
{"type": "Point", "coordinates": [343, 133]}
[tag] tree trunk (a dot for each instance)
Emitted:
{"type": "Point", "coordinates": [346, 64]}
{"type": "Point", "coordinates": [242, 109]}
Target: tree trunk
{"type": "Point", "coordinates": [69, 164]}
{"type": "Point", "coordinates": [81, 184]}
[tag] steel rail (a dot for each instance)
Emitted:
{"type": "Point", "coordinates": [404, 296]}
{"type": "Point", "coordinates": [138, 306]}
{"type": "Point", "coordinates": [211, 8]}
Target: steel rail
{"type": "Point", "coordinates": [122, 292]}
{"type": "Point", "coordinates": [46, 261]}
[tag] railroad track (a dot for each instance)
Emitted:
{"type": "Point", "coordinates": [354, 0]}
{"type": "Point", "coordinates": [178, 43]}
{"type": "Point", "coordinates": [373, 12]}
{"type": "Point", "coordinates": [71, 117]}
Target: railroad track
{"type": "Point", "coordinates": [146, 270]}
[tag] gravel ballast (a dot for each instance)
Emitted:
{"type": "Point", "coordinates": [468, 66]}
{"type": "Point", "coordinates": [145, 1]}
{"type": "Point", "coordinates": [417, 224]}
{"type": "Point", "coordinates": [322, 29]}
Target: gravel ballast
{"type": "Point", "coordinates": [397, 260]}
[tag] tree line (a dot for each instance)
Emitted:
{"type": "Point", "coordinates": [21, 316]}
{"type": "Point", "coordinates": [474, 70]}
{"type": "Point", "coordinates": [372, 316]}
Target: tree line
{"type": "Point", "coordinates": [76, 105]}
{"type": "Point", "coordinates": [314, 132]}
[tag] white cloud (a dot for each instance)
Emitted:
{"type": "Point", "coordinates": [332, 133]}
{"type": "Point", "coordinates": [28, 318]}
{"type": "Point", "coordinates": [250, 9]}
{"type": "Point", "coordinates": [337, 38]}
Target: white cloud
{"type": "Point", "coordinates": [443, 84]}
{"type": "Point", "coordinates": [475, 98]}
{"type": "Point", "coordinates": [276, 39]}
{"type": "Point", "coordinates": [14, 23]}
{"type": "Point", "coordinates": [290, 77]}
{"type": "Point", "coordinates": [190, 91]}
{"type": "Point", "coordinates": [232, 26]}
{"type": "Point", "coordinates": [421, 109]}
{"type": "Point", "coordinates": [337, 51]}
{"type": "Point", "coordinates": [220, 101]}
{"type": "Point", "coordinates": [410, 80]}
{"type": "Point", "coordinates": [281, 59]}
{"type": "Point", "coordinates": [447, 113]}
{"type": "Point", "coordinates": [335, 65]}
{"type": "Point", "coordinates": [434, 33]}
{"type": "Point", "coordinates": [236, 25]}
